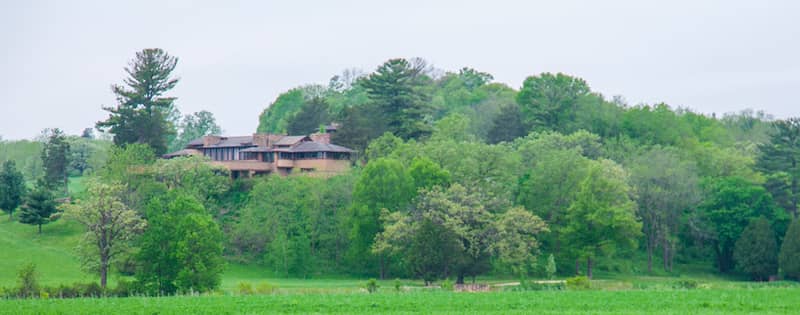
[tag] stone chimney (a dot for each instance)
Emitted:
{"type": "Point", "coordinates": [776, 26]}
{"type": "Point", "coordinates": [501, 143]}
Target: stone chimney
{"type": "Point", "coordinates": [211, 140]}
{"type": "Point", "coordinates": [321, 137]}
{"type": "Point", "coordinates": [261, 140]}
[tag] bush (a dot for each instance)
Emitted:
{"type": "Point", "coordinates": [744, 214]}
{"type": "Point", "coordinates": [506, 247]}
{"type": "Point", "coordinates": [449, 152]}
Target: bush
{"type": "Point", "coordinates": [579, 283]}
{"type": "Point", "coordinates": [91, 289]}
{"type": "Point", "coordinates": [756, 252]}
{"type": "Point", "coordinates": [266, 288]}
{"type": "Point", "coordinates": [686, 284]}
{"type": "Point", "coordinates": [372, 285]}
{"type": "Point", "coordinates": [535, 286]}
{"type": "Point", "coordinates": [27, 282]}
{"type": "Point", "coordinates": [789, 258]}
{"type": "Point", "coordinates": [125, 288]}
{"type": "Point", "coordinates": [550, 268]}
{"type": "Point", "coordinates": [447, 285]}
{"type": "Point", "coordinates": [397, 285]}
{"type": "Point", "coordinates": [245, 288]}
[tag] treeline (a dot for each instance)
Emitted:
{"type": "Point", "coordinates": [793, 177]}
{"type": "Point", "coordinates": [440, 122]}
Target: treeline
{"type": "Point", "coordinates": [608, 179]}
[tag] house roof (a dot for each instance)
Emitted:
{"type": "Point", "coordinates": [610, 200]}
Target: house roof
{"type": "Point", "coordinates": [238, 141]}
{"type": "Point", "coordinates": [309, 146]}
{"type": "Point", "coordinates": [184, 152]}
{"type": "Point", "coordinates": [290, 140]}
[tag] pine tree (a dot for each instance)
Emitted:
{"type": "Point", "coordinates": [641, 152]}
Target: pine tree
{"type": "Point", "coordinates": [756, 251]}
{"type": "Point", "coordinates": [55, 159]}
{"type": "Point", "coordinates": [12, 188]}
{"type": "Point", "coordinates": [789, 259]}
{"type": "Point", "coordinates": [143, 114]}
{"type": "Point", "coordinates": [39, 206]}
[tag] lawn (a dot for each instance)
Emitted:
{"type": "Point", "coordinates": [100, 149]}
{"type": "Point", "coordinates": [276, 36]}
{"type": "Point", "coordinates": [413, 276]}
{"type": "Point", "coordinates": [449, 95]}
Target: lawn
{"type": "Point", "coordinates": [741, 301]}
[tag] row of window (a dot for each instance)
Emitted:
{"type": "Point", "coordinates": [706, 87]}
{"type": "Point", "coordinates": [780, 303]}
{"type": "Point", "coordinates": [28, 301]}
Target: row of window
{"type": "Point", "coordinates": [228, 154]}
{"type": "Point", "coordinates": [223, 154]}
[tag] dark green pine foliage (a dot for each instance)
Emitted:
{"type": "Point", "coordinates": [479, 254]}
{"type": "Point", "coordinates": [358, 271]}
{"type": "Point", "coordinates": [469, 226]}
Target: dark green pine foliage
{"type": "Point", "coordinates": [756, 252]}
{"type": "Point", "coordinates": [39, 207]}
{"type": "Point", "coordinates": [507, 125]}
{"type": "Point", "coordinates": [789, 259]}
{"type": "Point", "coordinates": [398, 89]}
{"type": "Point", "coordinates": [311, 116]}
{"type": "Point", "coordinates": [779, 158]}
{"type": "Point", "coordinates": [360, 124]}
{"type": "Point", "coordinates": [12, 188]}
{"type": "Point", "coordinates": [141, 115]}
{"type": "Point", "coordinates": [55, 159]}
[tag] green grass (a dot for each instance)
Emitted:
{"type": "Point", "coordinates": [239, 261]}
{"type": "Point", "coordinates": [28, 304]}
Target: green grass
{"type": "Point", "coordinates": [742, 301]}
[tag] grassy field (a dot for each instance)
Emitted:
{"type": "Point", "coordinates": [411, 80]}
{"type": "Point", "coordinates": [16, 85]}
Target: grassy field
{"type": "Point", "coordinates": [743, 301]}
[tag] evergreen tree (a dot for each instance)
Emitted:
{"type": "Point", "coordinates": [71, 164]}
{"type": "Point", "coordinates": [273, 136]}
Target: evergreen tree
{"type": "Point", "coordinates": [756, 251]}
{"type": "Point", "coordinates": [39, 206]}
{"type": "Point", "coordinates": [789, 259]}
{"type": "Point", "coordinates": [781, 155]}
{"type": "Point", "coordinates": [507, 125]}
{"type": "Point", "coordinates": [12, 188]}
{"type": "Point", "coordinates": [311, 116]}
{"type": "Point", "coordinates": [55, 159]}
{"type": "Point", "coordinates": [143, 114]}
{"type": "Point", "coordinates": [396, 87]}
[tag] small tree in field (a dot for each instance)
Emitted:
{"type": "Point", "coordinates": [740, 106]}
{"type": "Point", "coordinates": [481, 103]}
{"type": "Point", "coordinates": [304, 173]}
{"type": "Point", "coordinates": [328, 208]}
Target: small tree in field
{"type": "Point", "coordinates": [39, 206]}
{"type": "Point", "coordinates": [789, 259]}
{"type": "Point", "coordinates": [109, 223]}
{"type": "Point", "coordinates": [756, 251]}
{"type": "Point", "coordinates": [12, 188]}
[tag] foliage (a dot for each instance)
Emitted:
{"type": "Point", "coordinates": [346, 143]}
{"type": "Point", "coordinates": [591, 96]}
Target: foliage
{"type": "Point", "coordinates": [27, 281]}
{"type": "Point", "coordinates": [507, 125]}
{"type": "Point", "coordinates": [549, 100]}
{"type": "Point", "coordinates": [39, 207]}
{"type": "Point", "coordinates": [313, 114]}
{"type": "Point", "coordinates": [782, 154]}
{"type": "Point", "coordinates": [275, 117]}
{"type": "Point", "coordinates": [142, 113]}
{"type": "Point", "coordinates": [427, 174]}
{"type": "Point", "coordinates": [517, 244]}
{"type": "Point", "coordinates": [447, 285]}
{"type": "Point", "coordinates": [55, 159]}
{"type": "Point", "coordinates": [193, 127]}
{"type": "Point", "coordinates": [12, 188]}
{"type": "Point", "coordinates": [756, 251]}
{"type": "Point", "coordinates": [109, 225]}
{"type": "Point", "coordinates": [550, 267]}
{"type": "Point", "coordinates": [372, 285]}
{"type": "Point", "coordinates": [181, 249]}
{"type": "Point", "coordinates": [579, 283]}
{"type": "Point", "coordinates": [789, 257]}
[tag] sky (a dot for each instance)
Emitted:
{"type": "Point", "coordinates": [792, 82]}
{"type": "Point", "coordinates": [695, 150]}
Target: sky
{"type": "Point", "coordinates": [58, 59]}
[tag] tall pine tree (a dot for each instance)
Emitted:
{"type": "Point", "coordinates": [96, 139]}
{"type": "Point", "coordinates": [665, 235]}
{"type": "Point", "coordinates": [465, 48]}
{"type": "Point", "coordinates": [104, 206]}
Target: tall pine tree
{"type": "Point", "coordinates": [12, 188]}
{"type": "Point", "coordinates": [39, 206]}
{"type": "Point", "coordinates": [143, 114]}
{"type": "Point", "coordinates": [55, 159]}
{"type": "Point", "coordinates": [780, 159]}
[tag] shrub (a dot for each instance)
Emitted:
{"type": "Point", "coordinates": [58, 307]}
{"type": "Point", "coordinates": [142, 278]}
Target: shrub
{"type": "Point", "coordinates": [125, 288]}
{"type": "Point", "coordinates": [27, 282]}
{"type": "Point", "coordinates": [579, 283]}
{"type": "Point", "coordinates": [536, 286]}
{"type": "Point", "coordinates": [789, 259]}
{"type": "Point", "coordinates": [686, 284]}
{"type": "Point", "coordinates": [550, 268]}
{"type": "Point", "coordinates": [91, 289]}
{"type": "Point", "coordinates": [447, 285]}
{"type": "Point", "coordinates": [756, 252]}
{"type": "Point", "coordinates": [397, 285]}
{"type": "Point", "coordinates": [245, 288]}
{"type": "Point", "coordinates": [372, 285]}
{"type": "Point", "coordinates": [266, 288]}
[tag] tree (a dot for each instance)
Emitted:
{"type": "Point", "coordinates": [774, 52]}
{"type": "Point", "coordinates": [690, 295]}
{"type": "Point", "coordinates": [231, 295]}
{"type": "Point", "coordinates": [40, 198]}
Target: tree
{"type": "Point", "coordinates": [666, 188]}
{"type": "Point", "coordinates": [602, 219]}
{"type": "Point", "coordinates": [383, 184]}
{"type": "Point", "coordinates": [517, 245]}
{"type": "Point", "coordinates": [181, 249]}
{"type": "Point", "coordinates": [109, 224]}
{"type": "Point", "coordinates": [39, 207]}
{"type": "Point", "coordinates": [782, 154]}
{"type": "Point", "coordinates": [55, 159]}
{"type": "Point", "coordinates": [507, 125]}
{"type": "Point", "coordinates": [360, 124]}
{"type": "Point", "coordinates": [729, 206]}
{"type": "Point", "coordinates": [426, 174]}
{"type": "Point", "coordinates": [12, 188]}
{"type": "Point", "coordinates": [195, 126]}
{"type": "Point", "coordinates": [142, 114]}
{"type": "Point", "coordinates": [396, 89]}
{"type": "Point", "coordinates": [756, 252]}
{"type": "Point", "coordinates": [549, 101]}
{"type": "Point", "coordinates": [789, 259]}
{"type": "Point", "coordinates": [313, 114]}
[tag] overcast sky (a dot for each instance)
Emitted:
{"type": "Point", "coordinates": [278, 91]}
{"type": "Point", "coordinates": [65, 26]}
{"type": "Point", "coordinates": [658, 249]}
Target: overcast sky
{"type": "Point", "coordinates": [58, 59]}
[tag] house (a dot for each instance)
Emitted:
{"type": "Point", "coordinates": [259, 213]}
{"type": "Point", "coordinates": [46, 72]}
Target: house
{"type": "Point", "coordinates": [267, 153]}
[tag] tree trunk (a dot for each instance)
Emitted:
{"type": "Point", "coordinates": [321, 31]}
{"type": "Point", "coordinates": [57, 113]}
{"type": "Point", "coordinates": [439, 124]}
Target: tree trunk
{"type": "Point", "coordinates": [665, 254]}
{"type": "Point", "coordinates": [382, 267]}
{"type": "Point", "coordinates": [577, 267]}
{"type": "Point", "coordinates": [40, 229]}
{"type": "Point", "coordinates": [103, 272]}
{"type": "Point", "coordinates": [589, 267]}
{"type": "Point", "coordinates": [460, 278]}
{"type": "Point", "coordinates": [650, 244]}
